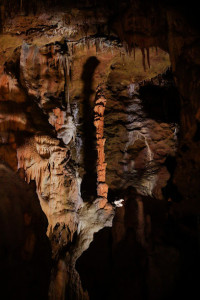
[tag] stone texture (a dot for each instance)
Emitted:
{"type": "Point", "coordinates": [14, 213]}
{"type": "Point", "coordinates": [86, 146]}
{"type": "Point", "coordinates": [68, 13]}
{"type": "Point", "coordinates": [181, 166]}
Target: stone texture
{"type": "Point", "coordinates": [47, 144]}
{"type": "Point", "coordinates": [145, 142]}
{"type": "Point", "coordinates": [99, 108]}
{"type": "Point", "coordinates": [45, 137]}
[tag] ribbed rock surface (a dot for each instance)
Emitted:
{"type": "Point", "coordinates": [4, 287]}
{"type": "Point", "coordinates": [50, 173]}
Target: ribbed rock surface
{"type": "Point", "coordinates": [140, 117]}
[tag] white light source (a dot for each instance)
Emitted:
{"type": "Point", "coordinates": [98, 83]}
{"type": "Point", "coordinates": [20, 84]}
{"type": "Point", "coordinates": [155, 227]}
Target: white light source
{"type": "Point", "coordinates": [119, 203]}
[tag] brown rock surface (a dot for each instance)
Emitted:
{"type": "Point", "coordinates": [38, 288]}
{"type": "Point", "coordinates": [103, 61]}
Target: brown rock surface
{"type": "Point", "coordinates": [51, 64]}
{"type": "Point", "coordinates": [48, 135]}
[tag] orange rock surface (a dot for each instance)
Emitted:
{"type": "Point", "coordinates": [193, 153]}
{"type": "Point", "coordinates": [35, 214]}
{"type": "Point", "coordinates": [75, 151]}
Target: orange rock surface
{"type": "Point", "coordinates": [102, 187]}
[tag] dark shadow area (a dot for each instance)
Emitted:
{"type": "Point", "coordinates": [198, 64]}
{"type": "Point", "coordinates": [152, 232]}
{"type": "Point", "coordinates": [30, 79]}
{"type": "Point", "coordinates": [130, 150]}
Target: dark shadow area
{"type": "Point", "coordinates": [117, 265]}
{"type": "Point", "coordinates": [94, 266]}
{"type": "Point", "coordinates": [196, 137]}
{"type": "Point", "coordinates": [113, 267]}
{"type": "Point", "coordinates": [182, 233]}
{"type": "Point", "coordinates": [171, 190]}
{"type": "Point", "coordinates": [114, 194]}
{"type": "Point", "coordinates": [161, 102]}
{"type": "Point", "coordinates": [88, 187]}
{"type": "Point", "coordinates": [25, 250]}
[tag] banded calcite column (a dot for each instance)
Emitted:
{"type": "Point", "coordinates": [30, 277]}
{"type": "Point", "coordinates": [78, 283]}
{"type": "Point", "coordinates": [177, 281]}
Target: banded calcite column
{"type": "Point", "coordinates": [102, 188]}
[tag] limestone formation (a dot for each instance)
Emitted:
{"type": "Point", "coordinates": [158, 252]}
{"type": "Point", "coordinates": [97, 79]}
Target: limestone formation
{"type": "Point", "coordinates": [102, 188]}
{"type": "Point", "coordinates": [99, 115]}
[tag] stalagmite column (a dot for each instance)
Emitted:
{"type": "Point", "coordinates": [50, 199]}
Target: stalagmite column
{"type": "Point", "coordinates": [102, 188]}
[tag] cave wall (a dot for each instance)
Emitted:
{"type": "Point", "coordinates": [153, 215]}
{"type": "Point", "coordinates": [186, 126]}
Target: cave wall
{"type": "Point", "coordinates": [48, 90]}
{"type": "Point", "coordinates": [178, 33]}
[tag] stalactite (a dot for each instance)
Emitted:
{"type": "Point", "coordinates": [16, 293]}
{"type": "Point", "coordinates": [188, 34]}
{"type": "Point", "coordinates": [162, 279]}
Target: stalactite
{"type": "Point", "coordinates": [100, 45]}
{"type": "Point", "coordinates": [72, 48]}
{"type": "Point", "coordinates": [88, 44]}
{"type": "Point", "coordinates": [67, 80]}
{"type": "Point", "coordinates": [97, 45]}
{"type": "Point", "coordinates": [33, 172]}
{"type": "Point", "coordinates": [126, 48]}
{"type": "Point", "coordinates": [143, 59]}
{"type": "Point", "coordinates": [129, 49]}
{"type": "Point", "coordinates": [148, 57]}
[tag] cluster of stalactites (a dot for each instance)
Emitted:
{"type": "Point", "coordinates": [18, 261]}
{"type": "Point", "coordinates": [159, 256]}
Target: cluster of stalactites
{"type": "Point", "coordinates": [101, 44]}
{"type": "Point", "coordinates": [144, 58]}
{"type": "Point", "coordinates": [102, 188]}
{"type": "Point", "coordinates": [65, 63]}
{"type": "Point", "coordinates": [35, 171]}
{"type": "Point", "coordinates": [130, 49]}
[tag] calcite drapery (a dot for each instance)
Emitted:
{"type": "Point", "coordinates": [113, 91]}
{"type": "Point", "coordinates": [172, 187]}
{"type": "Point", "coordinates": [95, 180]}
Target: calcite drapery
{"type": "Point", "coordinates": [44, 161]}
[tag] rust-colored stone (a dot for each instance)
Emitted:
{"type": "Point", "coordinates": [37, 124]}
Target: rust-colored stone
{"type": "Point", "coordinates": [102, 187]}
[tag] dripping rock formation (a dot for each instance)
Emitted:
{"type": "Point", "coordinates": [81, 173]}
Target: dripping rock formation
{"type": "Point", "coordinates": [99, 149]}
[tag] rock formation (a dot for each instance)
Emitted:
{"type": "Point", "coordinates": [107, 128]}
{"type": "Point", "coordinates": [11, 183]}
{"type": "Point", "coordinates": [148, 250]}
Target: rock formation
{"type": "Point", "coordinates": [102, 188]}
{"type": "Point", "coordinates": [95, 113]}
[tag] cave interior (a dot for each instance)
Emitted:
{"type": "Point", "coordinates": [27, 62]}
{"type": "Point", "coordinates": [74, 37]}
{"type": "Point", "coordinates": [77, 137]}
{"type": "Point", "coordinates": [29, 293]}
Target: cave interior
{"type": "Point", "coordinates": [99, 149]}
